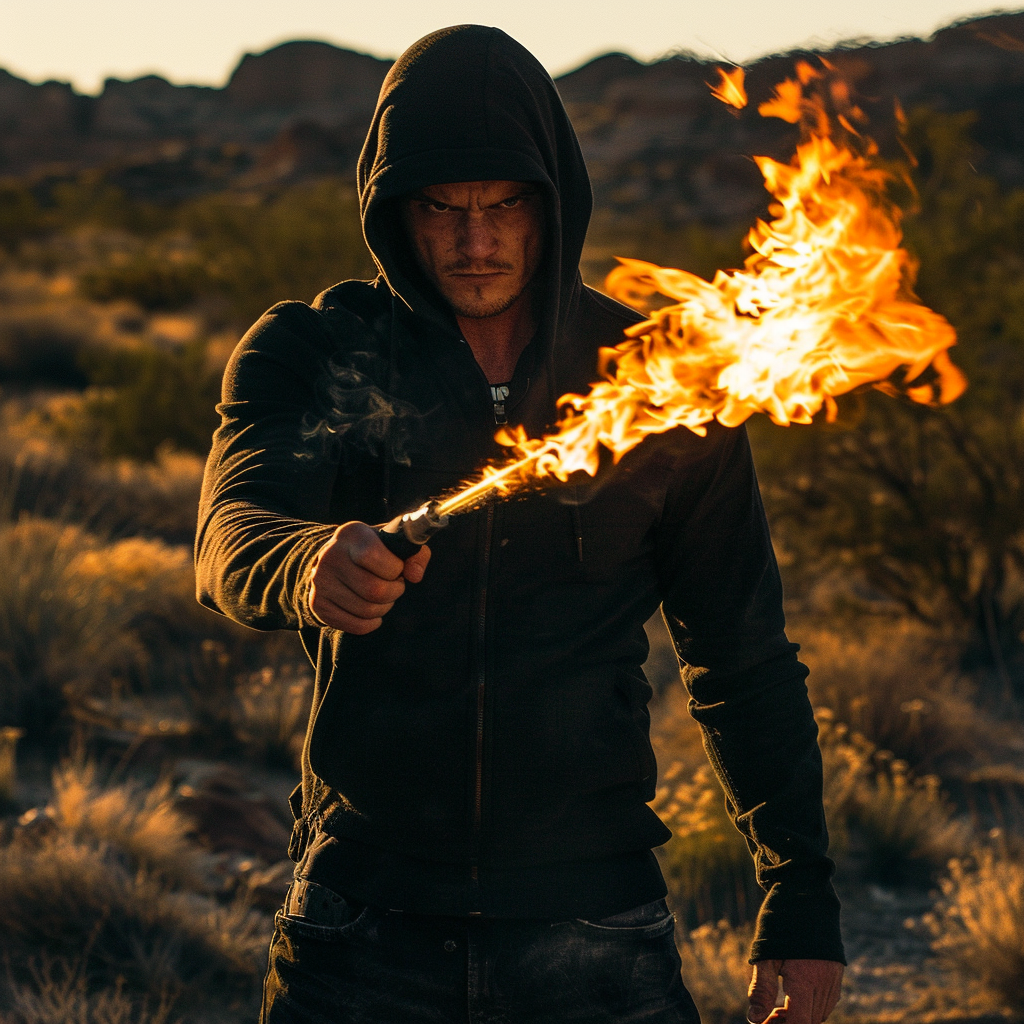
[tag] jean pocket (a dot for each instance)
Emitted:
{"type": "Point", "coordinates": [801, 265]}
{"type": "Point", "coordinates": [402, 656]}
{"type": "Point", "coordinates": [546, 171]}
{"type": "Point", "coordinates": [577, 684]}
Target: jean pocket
{"type": "Point", "coordinates": [316, 912]}
{"type": "Point", "coordinates": [647, 921]}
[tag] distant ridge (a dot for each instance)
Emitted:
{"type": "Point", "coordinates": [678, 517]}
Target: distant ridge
{"type": "Point", "coordinates": [653, 136]}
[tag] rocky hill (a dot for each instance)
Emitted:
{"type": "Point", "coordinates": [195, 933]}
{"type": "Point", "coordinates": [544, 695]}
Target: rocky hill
{"type": "Point", "coordinates": [653, 136]}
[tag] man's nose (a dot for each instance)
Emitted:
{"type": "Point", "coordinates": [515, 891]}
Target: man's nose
{"type": "Point", "coordinates": [477, 238]}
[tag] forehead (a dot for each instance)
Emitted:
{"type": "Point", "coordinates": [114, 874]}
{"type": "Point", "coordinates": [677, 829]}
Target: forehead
{"type": "Point", "coordinates": [461, 193]}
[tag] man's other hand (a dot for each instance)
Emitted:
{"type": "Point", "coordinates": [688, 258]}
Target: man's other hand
{"type": "Point", "coordinates": [356, 580]}
{"type": "Point", "coordinates": [811, 987]}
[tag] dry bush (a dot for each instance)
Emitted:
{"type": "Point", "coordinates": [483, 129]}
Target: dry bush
{"type": "Point", "coordinates": [74, 612]}
{"type": "Point", "coordinates": [59, 993]}
{"type": "Point", "coordinates": [82, 901]}
{"type": "Point", "coordinates": [978, 923]}
{"type": "Point", "coordinates": [908, 823]}
{"type": "Point", "coordinates": [142, 824]}
{"type": "Point", "coordinates": [270, 712]}
{"type": "Point", "coordinates": [716, 972]}
{"type": "Point", "coordinates": [111, 631]}
{"type": "Point", "coordinates": [706, 863]}
{"type": "Point", "coordinates": [904, 826]}
{"type": "Point", "coordinates": [43, 477]}
{"type": "Point", "coordinates": [891, 681]}
{"type": "Point", "coordinates": [52, 631]}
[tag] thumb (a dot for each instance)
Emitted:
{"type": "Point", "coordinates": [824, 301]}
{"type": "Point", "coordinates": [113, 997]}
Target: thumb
{"type": "Point", "coordinates": [416, 566]}
{"type": "Point", "coordinates": [764, 989]}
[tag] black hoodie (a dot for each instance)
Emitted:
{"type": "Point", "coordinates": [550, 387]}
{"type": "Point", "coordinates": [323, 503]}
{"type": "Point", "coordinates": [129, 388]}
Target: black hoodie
{"type": "Point", "coordinates": [488, 744]}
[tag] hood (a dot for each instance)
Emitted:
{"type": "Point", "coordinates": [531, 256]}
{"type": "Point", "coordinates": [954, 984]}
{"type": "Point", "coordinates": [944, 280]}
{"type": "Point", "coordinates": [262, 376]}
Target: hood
{"type": "Point", "coordinates": [469, 103]}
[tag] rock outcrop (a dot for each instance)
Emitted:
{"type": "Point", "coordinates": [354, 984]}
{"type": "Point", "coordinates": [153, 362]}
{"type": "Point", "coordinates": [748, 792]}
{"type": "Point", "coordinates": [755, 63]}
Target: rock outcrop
{"type": "Point", "coordinates": [654, 138]}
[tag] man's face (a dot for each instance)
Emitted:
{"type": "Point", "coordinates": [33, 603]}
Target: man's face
{"type": "Point", "coordinates": [479, 242]}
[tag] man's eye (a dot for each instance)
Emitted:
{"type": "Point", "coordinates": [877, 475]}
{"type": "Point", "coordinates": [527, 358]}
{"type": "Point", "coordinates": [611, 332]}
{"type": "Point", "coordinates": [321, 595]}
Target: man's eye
{"type": "Point", "coordinates": [437, 207]}
{"type": "Point", "coordinates": [511, 202]}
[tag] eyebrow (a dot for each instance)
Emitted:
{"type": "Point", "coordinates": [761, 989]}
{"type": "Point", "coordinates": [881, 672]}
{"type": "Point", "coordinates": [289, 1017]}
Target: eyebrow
{"type": "Point", "coordinates": [527, 190]}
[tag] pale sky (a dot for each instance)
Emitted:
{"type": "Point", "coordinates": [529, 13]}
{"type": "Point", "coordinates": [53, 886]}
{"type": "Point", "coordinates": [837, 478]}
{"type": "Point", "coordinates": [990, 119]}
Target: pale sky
{"type": "Point", "coordinates": [201, 41]}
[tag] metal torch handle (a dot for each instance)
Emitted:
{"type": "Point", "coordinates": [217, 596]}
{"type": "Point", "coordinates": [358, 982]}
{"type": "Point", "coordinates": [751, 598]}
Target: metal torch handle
{"type": "Point", "coordinates": [397, 542]}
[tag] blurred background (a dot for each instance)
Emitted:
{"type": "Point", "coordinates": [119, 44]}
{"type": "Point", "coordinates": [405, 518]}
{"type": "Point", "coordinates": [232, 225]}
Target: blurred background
{"type": "Point", "coordinates": [147, 746]}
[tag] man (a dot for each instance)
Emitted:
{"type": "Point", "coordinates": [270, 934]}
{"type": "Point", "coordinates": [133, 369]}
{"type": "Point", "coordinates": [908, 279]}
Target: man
{"type": "Point", "coordinates": [473, 839]}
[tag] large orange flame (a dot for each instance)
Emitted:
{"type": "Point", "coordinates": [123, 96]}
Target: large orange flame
{"type": "Point", "coordinates": [822, 306]}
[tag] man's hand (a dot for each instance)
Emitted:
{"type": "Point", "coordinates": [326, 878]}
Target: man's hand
{"type": "Point", "coordinates": [356, 580]}
{"type": "Point", "coordinates": [811, 987]}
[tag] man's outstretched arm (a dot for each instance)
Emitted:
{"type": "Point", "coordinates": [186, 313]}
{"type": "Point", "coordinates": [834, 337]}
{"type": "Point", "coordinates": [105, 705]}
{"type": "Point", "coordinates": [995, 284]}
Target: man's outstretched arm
{"type": "Point", "coordinates": [722, 598]}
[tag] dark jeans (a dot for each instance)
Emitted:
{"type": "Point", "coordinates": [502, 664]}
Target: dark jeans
{"type": "Point", "coordinates": [371, 966]}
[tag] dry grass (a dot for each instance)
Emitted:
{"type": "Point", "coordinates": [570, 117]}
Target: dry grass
{"type": "Point", "coordinates": [909, 825]}
{"type": "Point", "coordinates": [905, 826]}
{"type": "Point", "coordinates": [893, 682]}
{"type": "Point", "coordinates": [270, 712]}
{"type": "Point", "coordinates": [59, 994]}
{"type": "Point", "coordinates": [141, 823]}
{"type": "Point", "coordinates": [706, 863]}
{"type": "Point", "coordinates": [716, 972]}
{"type": "Point", "coordinates": [979, 923]}
{"type": "Point", "coordinates": [107, 888]}
{"type": "Point", "coordinates": [44, 477]}
{"type": "Point", "coordinates": [73, 612]}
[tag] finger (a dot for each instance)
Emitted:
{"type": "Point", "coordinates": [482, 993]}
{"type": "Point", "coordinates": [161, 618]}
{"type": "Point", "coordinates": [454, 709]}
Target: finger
{"type": "Point", "coordinates": [327, 605]}
{"type": "Point", "coordinates": [358, 592]}
{"type": "Point", "coordinates": [337, 618]}
{"type": "Point", "coordinates": [369, 551]}
{"type": "Point", "coordinates": [370, 587]}
{"type": "Point", "coordinates": [763, 990]}
{"type": "Point", "coordinates": [416, 566]}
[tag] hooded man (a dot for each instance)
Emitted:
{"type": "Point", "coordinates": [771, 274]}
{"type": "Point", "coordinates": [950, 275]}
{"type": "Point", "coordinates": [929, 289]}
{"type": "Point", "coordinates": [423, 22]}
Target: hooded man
{"type": "Point", "coordinates": [472, 838]}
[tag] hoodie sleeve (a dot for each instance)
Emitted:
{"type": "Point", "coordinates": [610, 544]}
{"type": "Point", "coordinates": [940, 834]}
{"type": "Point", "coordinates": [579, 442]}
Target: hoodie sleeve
{"type": "Point", "coordinates": [722, 599]}
{"type": "Point", "coordinates": [264, 509]}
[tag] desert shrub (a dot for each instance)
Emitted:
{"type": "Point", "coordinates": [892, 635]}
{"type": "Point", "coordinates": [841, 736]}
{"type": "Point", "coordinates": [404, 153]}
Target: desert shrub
{"type": "Point", "coordinates": [20, 214]}
{"type": "Point", "coordinates": [901, 827]}
{"type": "Point", "coordinates": [51, 628]}
{"type": "Point", "coordinates": [44, 478]}
{"type": "Point", "coordinates": [291, 246]}
{"type": "Point", "coordinates": [42, 348]}
{"type": "Point", "coordinates": [59, 993]}
{"type": "Point", "coordinates": [153, 280]}
{"type": "Point", "coordinates": [142, 824]}
{"type": "Point", "coordinates": [144, 399]}
{"type": "Point", "coordinates": [908, 824]}
{"type": "Point", "coordinates": [892, 682]}
{"type": "Point", "coordinates": [706, 863]}
{"type": "Point", "coordinates": [714, 958]}
{"type": "Point", "coordinates": [83, 620]}
{"type": "Point", "coordinates": [270, 711]}
{"type": "Point", "coordinates": [978, 922]}
{"type": "Point", "coordinates": [81, 900]}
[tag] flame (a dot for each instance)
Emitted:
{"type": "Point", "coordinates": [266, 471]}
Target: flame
{"type": "Point", "coordinates": [730, 88]}
{"type": "Point", "coordinates": [821, 306]}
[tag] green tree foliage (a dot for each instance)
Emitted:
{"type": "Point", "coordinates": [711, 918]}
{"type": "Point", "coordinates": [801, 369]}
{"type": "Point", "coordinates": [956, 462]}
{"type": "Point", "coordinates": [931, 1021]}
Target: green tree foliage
{"type": "Point", "coordinates": [927, 505]}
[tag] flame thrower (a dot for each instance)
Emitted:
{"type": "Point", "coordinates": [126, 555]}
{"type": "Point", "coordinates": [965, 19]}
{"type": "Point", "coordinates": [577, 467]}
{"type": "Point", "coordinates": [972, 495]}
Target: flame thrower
{"type": "Point", "coordinates": [406, 534]}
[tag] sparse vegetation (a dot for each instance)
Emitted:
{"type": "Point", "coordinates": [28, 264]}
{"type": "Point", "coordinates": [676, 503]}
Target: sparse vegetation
{"type": "Point", "coordinates": [899, 531]}
{"type": "Point", "coordinates": [979, 922]}
{"type": "Point", "coordinates": [103, 894]}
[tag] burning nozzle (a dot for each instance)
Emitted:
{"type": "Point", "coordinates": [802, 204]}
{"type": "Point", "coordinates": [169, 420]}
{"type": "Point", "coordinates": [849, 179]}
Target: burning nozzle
{"type": "Point", "coordinates": [405, 535]}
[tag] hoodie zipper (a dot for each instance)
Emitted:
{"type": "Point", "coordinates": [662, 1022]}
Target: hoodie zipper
{"type": "Point", "coordinates": [481, 689]}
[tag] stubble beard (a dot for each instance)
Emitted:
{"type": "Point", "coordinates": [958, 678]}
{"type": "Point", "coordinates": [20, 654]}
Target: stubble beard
{"type": "Point", "coordinates": [483, 309]}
